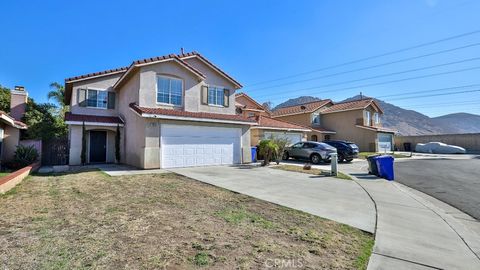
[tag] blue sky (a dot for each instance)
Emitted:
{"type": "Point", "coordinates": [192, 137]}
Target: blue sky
{"type": "Point", "coordinates": [256, 41]}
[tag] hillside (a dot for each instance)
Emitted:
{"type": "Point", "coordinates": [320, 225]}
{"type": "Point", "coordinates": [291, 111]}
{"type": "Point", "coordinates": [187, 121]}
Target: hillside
{"type": "Point", "coordinates": [410, 122]}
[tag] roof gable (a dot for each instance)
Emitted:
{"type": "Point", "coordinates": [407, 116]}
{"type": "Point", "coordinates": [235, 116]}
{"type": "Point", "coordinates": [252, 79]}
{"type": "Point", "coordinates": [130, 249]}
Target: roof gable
{"type": "Point", "coordinates": [301, 108]}
{"type": "Point", "coordinates": [246, 101]}
{"type": "Point", "coordinates": [353, 105]}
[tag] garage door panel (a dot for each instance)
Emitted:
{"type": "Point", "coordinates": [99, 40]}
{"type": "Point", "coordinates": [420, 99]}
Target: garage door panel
{"type": "Point", "coordinates": [209, 146]}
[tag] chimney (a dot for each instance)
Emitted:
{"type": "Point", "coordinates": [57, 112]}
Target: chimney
{"type": "Point", "coordinates": [18, 102]}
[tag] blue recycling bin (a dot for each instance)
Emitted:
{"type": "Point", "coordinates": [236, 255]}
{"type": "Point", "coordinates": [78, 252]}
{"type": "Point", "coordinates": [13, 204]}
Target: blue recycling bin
{"type": "Point", "coordinates": [254, 154]}
{"type": "Point", "coordinates": [385, 167]}
{"type": "Point", "coordinates": [372, 164]}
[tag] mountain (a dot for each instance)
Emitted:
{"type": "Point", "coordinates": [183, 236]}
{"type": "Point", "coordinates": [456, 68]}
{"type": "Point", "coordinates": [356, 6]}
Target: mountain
{"type": "Point", "coordinates": [410, 122]}
{"type": "Point", "coordinates": [460, 122]}
{"type": "Point", "coordinates": [296, 101]}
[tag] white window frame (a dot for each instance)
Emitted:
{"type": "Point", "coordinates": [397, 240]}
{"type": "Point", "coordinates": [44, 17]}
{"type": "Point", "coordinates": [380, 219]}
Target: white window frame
{"type": "Point", "coordinates": [217, 90]}
{"type": "Point", "coordinates": [368, 118]}
{"type": "Point", "coordinates": [316, 116]}
{"type": "Point", "coordinates": [96, 103]}
{"type": "Point", "coordinates": [376, 118]}
{"type": "Point", "coordinates": [170, 91]}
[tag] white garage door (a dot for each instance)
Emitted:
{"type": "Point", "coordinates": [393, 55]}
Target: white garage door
{"type": "Point", "coordinates": [188, 146]}
{"type": "Point", "coordinates": [292, 137]}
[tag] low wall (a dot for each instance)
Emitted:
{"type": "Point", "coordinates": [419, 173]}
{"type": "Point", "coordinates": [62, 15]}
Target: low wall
{"type": "Point", "coordinates": [469, 141]}
{"type": "Point", "coordinates": [10, 181]}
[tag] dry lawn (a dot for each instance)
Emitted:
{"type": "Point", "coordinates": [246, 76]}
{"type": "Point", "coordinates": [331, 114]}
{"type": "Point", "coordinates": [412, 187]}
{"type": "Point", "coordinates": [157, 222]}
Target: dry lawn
{"type": "Point", "coordinates": [90, 220]}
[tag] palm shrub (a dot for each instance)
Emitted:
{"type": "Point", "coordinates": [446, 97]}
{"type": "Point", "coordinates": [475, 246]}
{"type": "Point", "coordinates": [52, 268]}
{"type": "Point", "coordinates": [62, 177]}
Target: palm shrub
{"type": "Point", "coordinates": [281, 145]}
{"type": "Point", "coordinates": [25, 155]}
{"type": "Point", "coordinates": [267, 148]}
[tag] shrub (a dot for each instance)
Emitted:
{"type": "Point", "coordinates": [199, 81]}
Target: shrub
{"type": "Point", "coordinates": [25, 155]}
{"type": "Point", "coordinates": [267, 149]}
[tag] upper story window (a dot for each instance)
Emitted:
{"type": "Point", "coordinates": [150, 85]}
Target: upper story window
{"type": "Point", "coordinates": [216, 96]}
{"type": "Point", "coordinates": [368, 118]}
{"type": "Point", "coordinates": [316, 119]}
{"type": "Point", "coordinates": [169, 90]}
{"type": "Point", "coordinates": [376, 118]}
{"type": "Point", "coordinates": [250, 114]}
{"type": "Point", "coordinates": [95, 98]}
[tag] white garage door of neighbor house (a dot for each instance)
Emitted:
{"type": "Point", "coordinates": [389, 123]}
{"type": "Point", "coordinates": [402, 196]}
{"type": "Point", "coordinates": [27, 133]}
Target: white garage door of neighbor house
{"type": "Point", "coordinates": [189, 146]}
{"type": "Point", "coordinates": [291, 136]}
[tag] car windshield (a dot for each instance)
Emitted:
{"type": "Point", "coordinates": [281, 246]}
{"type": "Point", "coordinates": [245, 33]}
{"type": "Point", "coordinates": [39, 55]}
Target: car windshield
{"type": "Point", "coordinates": [325, 146]}
{"type": "Point", "coordinates": [353, 146]}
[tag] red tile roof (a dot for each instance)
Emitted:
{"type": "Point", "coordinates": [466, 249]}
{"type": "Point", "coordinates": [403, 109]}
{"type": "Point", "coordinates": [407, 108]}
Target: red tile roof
{"type": "Point", "coordinates": [301, 108]}
{"type": "Point", "coordinates": [166, 57]}
{"type": "Point", "coordinates": [264, 121]}
{"type": "Point", "coordinates": [179, 113]}
{"type": "Point", "coordinates": [92, 118]}
{"type": "Point", "coordinates": [379, 129]}
{"type": "Point", "coordinates": [323, 130]}
{"type": "Point", "coordinates": [194, 53]}
{"type": "Point", "coordinates": [258, 106]}
{"type": "Point", "coordinates": [11, 121]}
{"type": "Point", "coordinates": [94, 74]}
{"type": "Point", "coordinates": [352, 105]}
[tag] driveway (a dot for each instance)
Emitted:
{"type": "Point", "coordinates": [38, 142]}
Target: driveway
{"type": "Point", "coordinates": [339, 200]}
{"type": "Point", "coordinates": [456, 182]}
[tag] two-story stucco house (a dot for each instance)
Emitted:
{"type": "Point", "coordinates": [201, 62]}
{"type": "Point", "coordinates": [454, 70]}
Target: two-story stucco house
{"type": "Point", "coordinates": [358, 121]}
{"type": "Point", "coordinates": [172, 111]}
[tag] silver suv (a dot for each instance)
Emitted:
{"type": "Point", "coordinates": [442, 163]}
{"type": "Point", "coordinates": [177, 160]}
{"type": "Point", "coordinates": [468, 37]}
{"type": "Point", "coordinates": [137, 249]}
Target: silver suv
{"type": "Point", "coordinates": [313, 151]}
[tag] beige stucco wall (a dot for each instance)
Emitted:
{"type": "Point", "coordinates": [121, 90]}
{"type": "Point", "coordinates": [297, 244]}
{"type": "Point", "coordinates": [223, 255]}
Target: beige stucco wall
{"type": "Point", "coordinates": [471, 142]}
{"type": "Point", "coordinates": [11, 139]}
{"type": "Point", "coordinates": [256, 134]}
{"type": "Point", "coordinates": [75, 138]}
{"type": "Point", "coordinates": [191, 86]}
{"type": "Point", "coordinates": [101, 83]}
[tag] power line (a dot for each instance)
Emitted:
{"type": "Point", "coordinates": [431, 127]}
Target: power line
{"type": "Point", "coordinates": [368, 67]}
{"type": "Point", "coordinates": [385, 75]}
{"type": "Point", "coordinates": [476, 102]}
{"type": "Point", "coordinates": [430, 90]}
{"type": "Point", "coordinates": [435, 95]}
{"type": "Point", "coordinates": [371, 57]}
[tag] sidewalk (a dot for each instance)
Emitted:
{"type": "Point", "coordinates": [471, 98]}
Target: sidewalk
{"type": "Point", "coordinates": [414, 230]}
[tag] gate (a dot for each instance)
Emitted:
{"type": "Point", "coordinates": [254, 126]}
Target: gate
{"type": "Point", "coordinates": [55, 152]}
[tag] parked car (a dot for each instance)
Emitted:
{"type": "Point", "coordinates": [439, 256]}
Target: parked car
{"type": "Point", "coordinates": [439, 148]}
{"type": "Point", "coordinates": [346, 150]}
{"type": "Point", "coordinates": [316, 152]}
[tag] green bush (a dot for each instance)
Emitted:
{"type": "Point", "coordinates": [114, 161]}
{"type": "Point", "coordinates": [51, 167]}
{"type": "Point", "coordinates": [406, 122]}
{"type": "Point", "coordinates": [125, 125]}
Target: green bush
{"type": "Point", "coordinates": [25, 155]}
{"type": "Point", "coordinates": [267, 149]}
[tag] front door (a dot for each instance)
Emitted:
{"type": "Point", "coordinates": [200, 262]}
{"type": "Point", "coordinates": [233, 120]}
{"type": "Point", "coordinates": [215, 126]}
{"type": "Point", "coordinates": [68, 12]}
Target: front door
{"type": "Point", "coordinates": [98, 146]}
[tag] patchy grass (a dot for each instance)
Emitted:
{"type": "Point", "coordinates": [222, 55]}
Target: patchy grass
{"type": "Point", "coordinates": [4, 173]}
{"type": "Point", "coordinates": [86, 220]}
{"type": "Point", "coordinates": [361, 262]}
{"type": "Point", "coordinates": [364, 155]}
{"type": "Point", "coordinates": [314, 171]}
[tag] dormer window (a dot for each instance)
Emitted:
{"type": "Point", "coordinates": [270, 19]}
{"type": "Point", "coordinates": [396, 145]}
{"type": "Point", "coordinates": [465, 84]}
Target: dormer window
{"type": "Point", "coordinates": [376, 118]}
{"type": "Point", "coordinates": [316, 119]}
{"type": "Point", "coordinates": [169, 90]}
{"type": "Point", "coordinates": [368, 118]}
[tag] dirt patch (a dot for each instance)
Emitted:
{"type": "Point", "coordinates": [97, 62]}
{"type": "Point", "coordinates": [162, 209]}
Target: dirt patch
{"type": "Point", "coordinates": [314, 171]}
{"type": "Point", "coordinates": [89, 220]}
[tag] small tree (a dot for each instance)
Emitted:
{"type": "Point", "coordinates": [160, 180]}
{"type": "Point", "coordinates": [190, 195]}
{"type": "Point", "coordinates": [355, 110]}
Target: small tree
{"type": "Point", "coordinates": [281, 145]}
{"type": "Point", "coordinates": [117, 144]}
{"type": "Point", "coordinates": [267, 148]}
{"type": "Point", "coordinates": [83, 154]}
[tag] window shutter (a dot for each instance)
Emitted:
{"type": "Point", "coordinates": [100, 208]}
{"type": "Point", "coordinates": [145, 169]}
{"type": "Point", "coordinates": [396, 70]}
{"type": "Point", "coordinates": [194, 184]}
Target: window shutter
{"type": "Point", "coordinates": [111, 100]}
{"type": "Point", "coordinates": [226, 97]}
{"type": "Point", "coordinates": [82, 97]}
{"type": "Point", "coordinates": [204, 95]}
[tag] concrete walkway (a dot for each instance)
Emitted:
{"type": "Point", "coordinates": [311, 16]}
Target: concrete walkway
{"type": "Point", "coordinates": [414, 230]}
{"type": "Point", "coordinates": [339, 200]}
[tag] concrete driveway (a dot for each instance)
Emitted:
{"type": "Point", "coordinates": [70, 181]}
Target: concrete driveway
{"type": "Point", "coordinates": [339, 200]}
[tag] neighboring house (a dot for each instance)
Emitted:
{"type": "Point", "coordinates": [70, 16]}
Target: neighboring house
{"type": "Point", "coordinates": [267, 126]}
{"type": "Point", "coordinates": [10, 124]}
{"type": "Point", "coordinates": [172, 111]}
{"type": "Point", "coordinates": [358, 121]}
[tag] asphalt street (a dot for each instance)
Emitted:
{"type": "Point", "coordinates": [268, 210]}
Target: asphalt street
{"type": "Point", "coordinates": [456, 182]}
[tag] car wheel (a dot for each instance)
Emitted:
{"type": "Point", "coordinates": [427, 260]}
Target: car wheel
{"type": "Point", "coordinates": [315, 158]}
{"type": "Point", "coordinates": [340, 158]}
{"type": "Point", "coordinates": [285, 156]}
{"type": "Point", "coordinates": [349, 160]}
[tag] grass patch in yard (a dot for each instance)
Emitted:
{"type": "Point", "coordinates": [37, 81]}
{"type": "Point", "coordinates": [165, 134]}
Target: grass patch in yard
{"type": "Point", "coordinates": [314, 171]}
{"type": "Point", "coordinates": [364, 155]}
{"type": "Point", "coordinates": [79, 220]}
